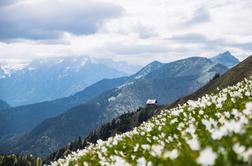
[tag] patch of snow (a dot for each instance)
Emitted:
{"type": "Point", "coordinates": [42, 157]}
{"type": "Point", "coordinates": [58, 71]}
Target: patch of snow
{"type": "Point", "coordinates": [111, 99]}
{"type": "Point", "coordinates": [144, 73]}
{"type": "Point", "coordinates": [126, 84]}
{"type": "Point", "coordinates": [8, 69]}
{"type": "Point", "coordinates": [139, 76]}
{"type": "Point", "coordinates": [60, 61]}
{"type": "Point", "coordinates": [83, 62]}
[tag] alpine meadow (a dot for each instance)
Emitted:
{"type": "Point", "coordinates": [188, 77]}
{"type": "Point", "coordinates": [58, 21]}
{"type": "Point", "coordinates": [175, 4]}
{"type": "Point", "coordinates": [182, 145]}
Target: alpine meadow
{"type": "Point", "coordinates": [125, 83]}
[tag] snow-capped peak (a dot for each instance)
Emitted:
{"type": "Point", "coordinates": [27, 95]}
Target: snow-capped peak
{"type": "Point", "coordinates": [10, 68]}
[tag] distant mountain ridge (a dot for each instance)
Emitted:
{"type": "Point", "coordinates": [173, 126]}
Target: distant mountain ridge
{"type": "Point", "coordinates": [17, 120]}
{"type": "Point", "coordinates": [52, 78]}
{"type": "Point", "coordinates": [148, 69]}
{"type": "Point", "coordinates": [165, 82]}
{"type": "Point", "coordinates": [226, 59]}
{"type": "Point", "coordinates": [4, 105]}
{"type": "Point", "coordinates": [231, 77]}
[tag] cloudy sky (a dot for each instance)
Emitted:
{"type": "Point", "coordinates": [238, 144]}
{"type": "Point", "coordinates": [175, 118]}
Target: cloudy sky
{"type": "Point", "coordinates": [136, 31]}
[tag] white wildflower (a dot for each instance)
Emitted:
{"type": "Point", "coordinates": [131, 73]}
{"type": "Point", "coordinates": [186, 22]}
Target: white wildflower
{"type": "Point", "coordinates": [193, 143]}
{"type": "Point", "coordinates": [156, 150]}
{"type": "Point", "coordinates": [118, 161]}
{"type": "Point", "coordinates": [249, 105]}
{"type": "Point", "coordinates": [141, 161]}
{"type": "Point", "coordinates": [171, 154]}
{"type": "Point", "coordinates": [145, 146]}
{"type": "Point", "coordinates": [247, 93]}
{"type": "Point", "coordinates": [201, 112]}
{"type": "Point", "coordinates": [238, 148]}
{"type": "Point", "coordinates": [207, 157]}
{"type": "Point", "coordinates": [136, 148]}
{"type": "Point", "coordinates": [247, 155]}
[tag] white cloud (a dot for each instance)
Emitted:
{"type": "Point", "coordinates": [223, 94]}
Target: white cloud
{"type": "Point", "coordinates": [146, 30]}
{"type": "Point", "coordinates": [43, 19]}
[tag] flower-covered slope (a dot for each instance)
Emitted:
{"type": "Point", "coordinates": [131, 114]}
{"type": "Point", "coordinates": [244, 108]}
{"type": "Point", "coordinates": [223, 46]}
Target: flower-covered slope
{"type": "Point", "coordinates": [214, 130]}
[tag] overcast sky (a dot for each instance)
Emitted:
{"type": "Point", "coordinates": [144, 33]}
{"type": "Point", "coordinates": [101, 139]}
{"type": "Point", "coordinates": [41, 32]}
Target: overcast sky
{"type": "Point", "coordinates": [136, 31]}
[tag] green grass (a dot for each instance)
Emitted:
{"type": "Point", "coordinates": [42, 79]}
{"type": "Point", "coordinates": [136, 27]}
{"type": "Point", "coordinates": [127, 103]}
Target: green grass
{"type": "Point", "coordinates": [214, 130]}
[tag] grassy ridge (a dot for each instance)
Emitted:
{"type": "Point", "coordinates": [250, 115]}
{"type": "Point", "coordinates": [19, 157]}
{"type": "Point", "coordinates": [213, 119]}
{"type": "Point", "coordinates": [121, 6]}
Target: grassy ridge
{"type": "Point", "coordinates": [215, 129]}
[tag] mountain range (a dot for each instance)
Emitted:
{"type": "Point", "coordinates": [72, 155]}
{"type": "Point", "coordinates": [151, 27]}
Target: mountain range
{"type": "Point", "coordinates": [17, 120]}
{"type": "Point", "coordinates": [38, 124]}
{"type": "Point", "coordinates": [165, 82]}
{"type": "Point", "coordinates": [128, 121]}
{"type": "Point", "coordinates": [226, 59]}
{"type": "Point", "coordinates": [190, 134]}
{"type": "Point", "coordinates": [52, 78]}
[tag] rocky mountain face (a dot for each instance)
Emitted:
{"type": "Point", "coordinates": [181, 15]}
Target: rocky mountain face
{"type": "Point", "coordinates": [52, 78]}
{"type": "Point", "coordinates": [226, 59]}
{"type": "Point", "coordinates": [164, 82]}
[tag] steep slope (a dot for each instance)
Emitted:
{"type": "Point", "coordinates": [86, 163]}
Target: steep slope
{"type": "Point", "coordinates": [166, 84]}
{"type": "Point", "coordinates": [118, 125]}
{"type": "Point", "coordinates": [231, 77]}
{"type": "Point", "coordinates": [226, 59]}
{"type": "Point", "coordinates": [213, 130]}
{"type": "Point", "coordinates": [52, 78]}
{"type": "Point", "coordinates": [128, 121]}
{"type": "Point", "coordinates": [4, 105]}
